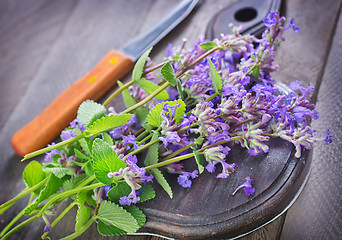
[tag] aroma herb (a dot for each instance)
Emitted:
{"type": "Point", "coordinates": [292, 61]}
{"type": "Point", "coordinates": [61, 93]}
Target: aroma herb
{"type": "Point", "coordinates": [209, 97]}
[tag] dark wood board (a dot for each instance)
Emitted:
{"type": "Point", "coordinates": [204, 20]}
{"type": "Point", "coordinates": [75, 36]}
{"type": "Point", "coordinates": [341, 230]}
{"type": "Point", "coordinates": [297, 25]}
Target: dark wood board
{"type": "Point", "coordinates": [47, 46]}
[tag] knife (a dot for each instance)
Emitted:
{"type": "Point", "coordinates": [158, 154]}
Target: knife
{"type": "Point", "coordinates": [44, 128]}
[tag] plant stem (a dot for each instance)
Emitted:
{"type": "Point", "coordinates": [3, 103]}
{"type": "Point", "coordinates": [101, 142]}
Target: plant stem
{"type": "Point", "coordinates": [221, 142]}
{"type": "Point", "coordinates": [83, 229]}
{"type": "Point", "coordinates": [18, 227]}
{"type": "Point", "coordinates": [212, 97]}
{"type": "Point", "coordinates": [60, 217]}
{"type": "Point", "coordinates": [52, 147]}
{"type": "Point", "coordinates": [169, 161]}
{"type": "Point", "coordinates": [66, 194]}
{"type": "Point", "coordinates": [117, 92]}
{"type": "Point", "coordinates": [21, 195]}
{"type": "Point", "coordinates": [14, 220]}
{"type": "Point", "coordinates": [148, 98]}
{"type": "Point", "coordinates": [179, 151]}
{"type": "Point", "coordinates": [144, 147]}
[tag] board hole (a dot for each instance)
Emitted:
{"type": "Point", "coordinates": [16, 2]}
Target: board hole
{"type": "Point", "coordinates": [245, 14]}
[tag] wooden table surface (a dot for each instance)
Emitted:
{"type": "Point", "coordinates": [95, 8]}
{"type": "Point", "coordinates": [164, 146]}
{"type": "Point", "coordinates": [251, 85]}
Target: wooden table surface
{"type": "Point", "coordinates": [46, 45]}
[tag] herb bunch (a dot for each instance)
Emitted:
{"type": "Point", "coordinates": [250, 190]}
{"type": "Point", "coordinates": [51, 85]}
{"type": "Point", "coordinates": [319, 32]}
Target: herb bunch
{"type": "Point", "coordinates": [216, 94]}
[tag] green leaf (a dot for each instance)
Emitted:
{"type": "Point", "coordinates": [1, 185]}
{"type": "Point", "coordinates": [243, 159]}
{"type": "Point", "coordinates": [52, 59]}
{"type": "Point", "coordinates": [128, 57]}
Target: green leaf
{"type": "Point", "coordinates": [152, 154]}
{"type": "Point", "coordinates": [81, 155]}
{"type": "Point", "coordinates": [83, 212]}
{"type": "Point", "coordinates": [89, 111]}
{"type": "Point", "coordinates": [215, 77]}
{"type": "Point", "coordinates": [168, 73]}
{"type": "Point", "coordinates": [109, 230]}
{"type": "Point", "coordinates": [180, 89]}
{"type": "Point", "coordinates": [154, 118]}
{"type": "Point", "coordinates": [34, 174]}
{"type": "Point", "coordinates": [51, 187]}
{"type": "Point", "coordinates": [150, 87]}
{"type": "Point", "coordinates": [256, 72]}
{"type": "Point", "coordinates": [113, 217]}
{"type": "Point", "coordinates": [73, 182]}
{"type": "Point", "coordinates": [147, 193]}
{"type": "Point", "coordinates": [105, 160]}
{"type": "Point", "coordinates": [137, 214]}
{"type": "Point", "coordinates": [140, 65]}
{"type": "Point", "coordinates": [162, 181]}
{"type": "Point", "coordinates": [107, 123]}
{"type": "Point", "coordinates": [107, 138]}
{"type": "Point", "coordinates": [88, 168]}
{"type": "Point", "coordinates": [141, 114]}
{"type": "Point", "coordinates": [119, 190]}
{"type": "Point", "coordinates": [127, 97]}
{"type": "Point", "coordinates": [199, 161]}
{"type": "Point", "coordinates": [208, 45]}
{"type": "Point", "coordinates": [58, 171]}
{"type": "Point", "coordinates": [85, 143]}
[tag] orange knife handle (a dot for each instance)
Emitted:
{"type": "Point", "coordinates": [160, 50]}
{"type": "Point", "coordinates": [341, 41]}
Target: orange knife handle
{"type": "Point", "coordinates": [47, 126]}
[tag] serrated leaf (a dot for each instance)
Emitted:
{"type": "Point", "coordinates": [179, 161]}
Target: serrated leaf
{"type": "Point", "coordinates": [152, 156]}
{"type": "Point", "coordinates": [150, 87]}
{"type": "Point", "coordinates": [51, 187]}
{"type": "Point", "coordinates": [162, 181]}
{"type": "Point", "coordinates": [147, 193]}
{"type": "Point", "coordinates": [154, 117]}
{"type": "Point", "coordinates": [199, 161]}
{"type": "Point", "coordinates": [168, 73]}
{"type": "Point", "coordinates": [215, 77]}
{"type": "Point", "coordinates": [89, 111]}
{"type": "Point", "coordinates": [115, 217]}
{"type": "Point", "coordinates": [180, 89]}
{"type": "Point", "coordinates": [105, 160]}
{"type": "Point", "coordinates": [108, 230]}
{"type": "Point", "coordinates": [256, 72]}
{"type": "Point", "coordinates": [83, 212]}
{"type": "Point", "coordinates": [119, 190]}
{"type": "Point", "coordinates": [208, 45]}
{"type": "Point", "coordinates": [140, 65]}
{"type": "Point", "coordinates": [137, 214]}
{"type": "Point", "coordinates": [34, 174]}
{"type": "Point", "coordinates": [107, 138]}
{"type": "Point", "coordinates": [127, 97]}
{"type": "Point", "coordinates": [107, 123]}
{"type": "Point", "coordinates": [73, 182]}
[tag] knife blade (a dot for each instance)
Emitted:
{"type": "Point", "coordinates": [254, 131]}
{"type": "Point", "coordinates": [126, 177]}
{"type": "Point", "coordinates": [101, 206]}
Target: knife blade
{"type": "Point", "coordinates": [44, 128]}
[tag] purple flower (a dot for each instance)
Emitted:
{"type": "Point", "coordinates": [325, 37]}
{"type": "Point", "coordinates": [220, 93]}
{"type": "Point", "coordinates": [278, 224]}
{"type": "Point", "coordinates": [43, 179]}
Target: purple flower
{"type": "Point", "coordinates": [76, 123]}
{"type": "Point", "coordinates": [211, 167]}
{"type": "Point", "coordinates": [271, 19]}
{"type": "Point", "coordinates": [106, 189]}
{"type": "Point", "coordinates": [125, 200]}
{"type": "Point", "coordinates": [67, 134]}
{"type": "Point", "coordinates": [227, 169]}
{"type": "Point", "coordinates": [49, 155]}
{"type": "Point", "coordinates": [249, 190]}
{"type": "Point", "coordinates": [328, 138]}
{"type": "Point", "coordinates": [47, 227]}
{"type": "Point", "coordinates": [292, 25]}
{"type": "Point", "coordinates": [184, 178]}
{"type": "Point", "coordinates": [171, 137]}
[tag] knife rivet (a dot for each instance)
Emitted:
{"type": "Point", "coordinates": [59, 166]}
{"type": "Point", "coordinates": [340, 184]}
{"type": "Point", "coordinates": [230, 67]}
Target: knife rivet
{"type": "Point", "coordinates": [112, 61]}
{"type": "Point", "coordinates": [92, 79]}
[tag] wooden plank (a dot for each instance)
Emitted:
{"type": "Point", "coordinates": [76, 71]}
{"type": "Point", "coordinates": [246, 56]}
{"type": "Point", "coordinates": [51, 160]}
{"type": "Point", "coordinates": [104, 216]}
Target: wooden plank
{"type": "Point", "coordinates": [317, 212]}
